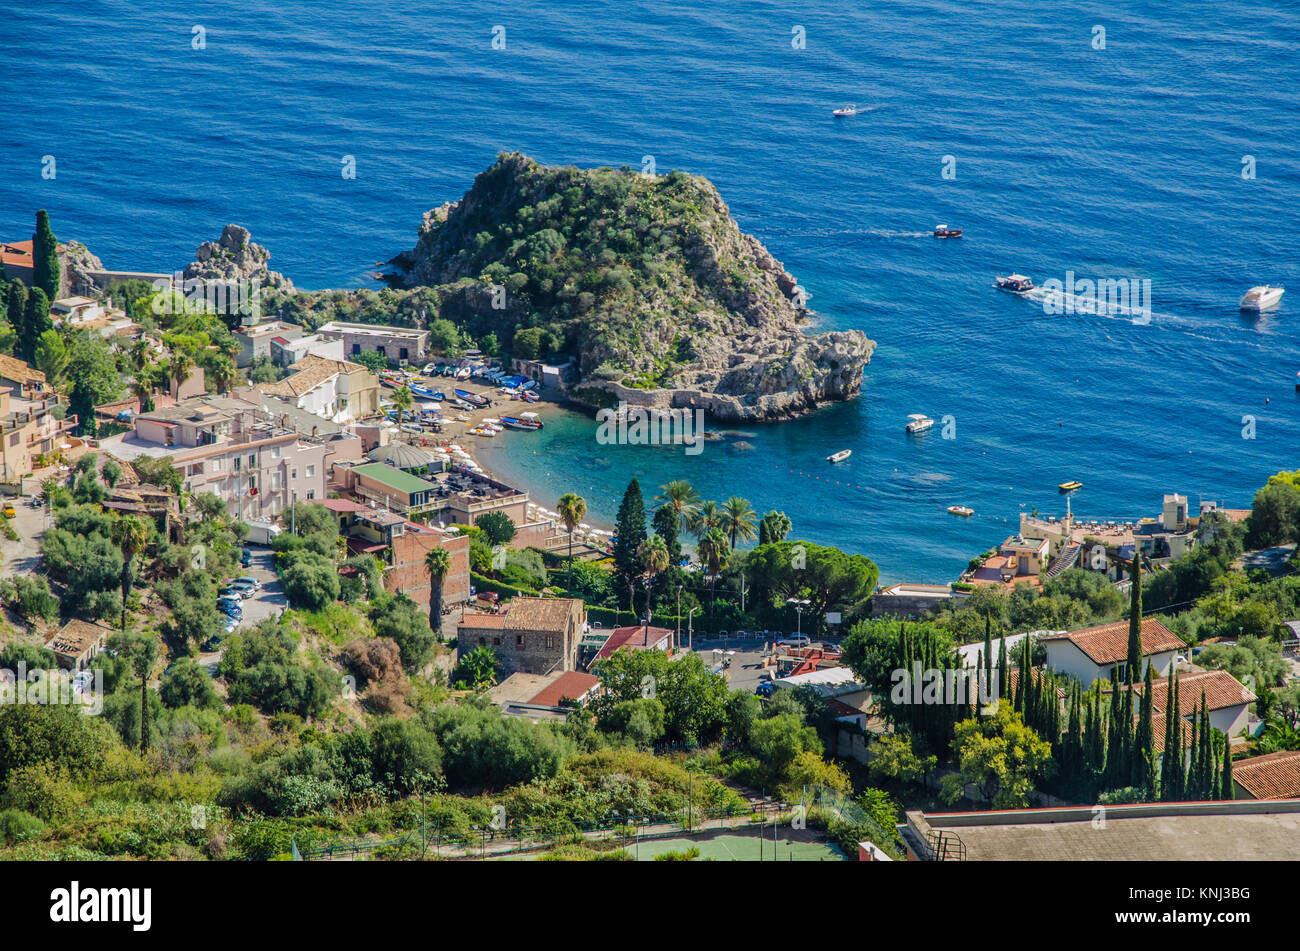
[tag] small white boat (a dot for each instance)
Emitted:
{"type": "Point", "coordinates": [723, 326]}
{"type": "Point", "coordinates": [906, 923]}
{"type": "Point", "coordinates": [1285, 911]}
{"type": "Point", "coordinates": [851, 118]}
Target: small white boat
{"type": "Point", "coordinates": [1016, 283]}
{"type": "Point", "coordinates": [839, 456]}
{"type": "Point", "coordinates": [961, 510]}
{"type": "Point", "coordinates": [1262, 297]}
{"type": "Point", "coordinates": [918, 423]}
{"type": "Point", "coordinates": [850, 110]}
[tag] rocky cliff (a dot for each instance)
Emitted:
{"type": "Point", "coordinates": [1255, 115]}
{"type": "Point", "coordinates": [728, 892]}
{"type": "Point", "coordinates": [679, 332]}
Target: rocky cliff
{"type": "Point", "coordinates": [647, 279]}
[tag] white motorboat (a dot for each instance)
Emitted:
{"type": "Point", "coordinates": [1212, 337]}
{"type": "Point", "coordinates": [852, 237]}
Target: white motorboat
{"type": "Point", "coordinates": [843, 111]}
{"type": "Point", "coordinates": [839, 456]}
{"type": "Point", "coordinates": [1262, 297]}
{"type": "Point", "coordinates": [1014, 282]}
{"type": "Point", "coordinates": [918, 423]}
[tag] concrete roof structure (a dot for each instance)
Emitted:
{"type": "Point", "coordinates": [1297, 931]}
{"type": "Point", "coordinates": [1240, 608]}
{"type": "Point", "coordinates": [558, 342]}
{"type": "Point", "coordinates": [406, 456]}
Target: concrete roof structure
{"type": "Point", "coordinates": [1188, 831]}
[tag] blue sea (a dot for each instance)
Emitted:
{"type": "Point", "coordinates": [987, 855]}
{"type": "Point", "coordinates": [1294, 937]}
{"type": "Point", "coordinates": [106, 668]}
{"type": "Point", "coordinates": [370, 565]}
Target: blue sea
{"type": "Point", "coordinates": [1117, 162]}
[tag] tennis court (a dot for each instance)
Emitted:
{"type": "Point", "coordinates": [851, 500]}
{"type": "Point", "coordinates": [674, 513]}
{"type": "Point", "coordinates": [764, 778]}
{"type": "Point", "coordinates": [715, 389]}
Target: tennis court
{"type": "Point", "coordinates": [730, 847]}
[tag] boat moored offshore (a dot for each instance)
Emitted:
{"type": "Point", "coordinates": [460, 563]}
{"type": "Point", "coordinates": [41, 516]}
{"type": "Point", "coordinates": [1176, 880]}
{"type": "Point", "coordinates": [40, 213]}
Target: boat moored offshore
{"type": "Point", "coordinates": [1016, 283]}
{"type": "Point", "coordinates": [839, 456]}
{"type": "Point", "coordinates": [918, 423]}
{"type": "Point", "coordinates": [1262, 297]}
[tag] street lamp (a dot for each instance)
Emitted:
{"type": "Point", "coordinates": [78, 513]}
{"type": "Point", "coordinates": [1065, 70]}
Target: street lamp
{"type": "Point", "coordinates": [799, 604]}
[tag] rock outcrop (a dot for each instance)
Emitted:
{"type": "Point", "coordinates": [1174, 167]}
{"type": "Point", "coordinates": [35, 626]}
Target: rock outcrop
{"type": "Point", "coordinates": [647, 279]}
{"type": "Point", "coordinates": [235, 258]}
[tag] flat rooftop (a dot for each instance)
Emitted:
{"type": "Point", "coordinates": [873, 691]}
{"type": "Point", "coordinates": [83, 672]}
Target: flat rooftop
{"type": "Point", "coordinates": [1234, 830]}
{"type": "Point", "coordinates": [373, 330]}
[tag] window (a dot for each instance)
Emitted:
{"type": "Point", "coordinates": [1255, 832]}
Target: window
{"type": "Point", "coordinates": [519, 641]}
{"type": "Point", "coordinates": [496, 642]}
{"type": "Point", "coordinates": [380, 351]}
{"type": "Point", "coordinates": [275, 481]}
{"type": "Point", "coordinates": [252, 461]}
{"type": "Point", "coordinates": [239, 463]}
{"type": "Point", "coordinates": [13, 440]}
{"type": "Point", "coordinates": [402, 353]}
{"type": "Point", "coordinates": [293, 474]}
{"type": "Point", "coordinates": [216, 465]}
{"type": "Point", "coordinates": [356, 348]}
{"type": "Point", "coordinates": [311, 493]}
{"type": "Point", "coordinates": [275, 452]}
{"type": "Point", "coordinates": [550, 641]}
{"type": "Point", "coordinates": [482, 640]}
{"type": "Point", "coordinates": [311, 472]}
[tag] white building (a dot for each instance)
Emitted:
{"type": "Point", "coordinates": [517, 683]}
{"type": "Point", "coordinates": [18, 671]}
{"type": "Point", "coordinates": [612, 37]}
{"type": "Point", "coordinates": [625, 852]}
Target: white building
{"type": "Point", "coordinates": [76, 310]}
{"type": "Point", "coordinates": [286, 353]}
{"type": "Point", "coordinates": [1090, 654]}
{"type": "Point", "coordinates": [1224, 695]}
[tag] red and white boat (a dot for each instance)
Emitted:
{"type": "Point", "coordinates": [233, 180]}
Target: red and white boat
{"type": "Point", "coordinates": [943, 231]}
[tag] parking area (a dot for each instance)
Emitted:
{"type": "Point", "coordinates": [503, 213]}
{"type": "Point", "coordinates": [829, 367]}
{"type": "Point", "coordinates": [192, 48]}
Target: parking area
{"type": "Point", "coordinates": [23, 556]}
{"type": "Point", "coordinates": [269, 601]}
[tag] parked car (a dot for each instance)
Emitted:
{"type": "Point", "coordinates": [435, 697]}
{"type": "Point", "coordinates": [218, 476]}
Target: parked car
{"type": "Point", "coordinates": [245, 589]}
{"type": "Point", "coordinates": [764, 689]}
{"type": "Point", "coordinates": [229, 608]}
{"type": "Point", "coordinates": [795, 640]}
{"type": "Point", "coordinates": [211, 644]}
{"type": "Point", "coordinates": [245, 579]}
{"type": "Point", "coordinates": [245, 558]}
{"type": "Point", "coordinates": [9, 510]}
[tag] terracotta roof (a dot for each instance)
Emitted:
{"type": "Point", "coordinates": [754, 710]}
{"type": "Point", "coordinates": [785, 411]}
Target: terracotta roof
{"type": "Point", "coordinates": [1108, 643]}
{"type": "Point", "coordinates": [18, 253]}
{"type": "Point", "coordinates": [312, 372]}
{"type": "Point", "coordinates": [1220, 688]}
{"type": "Point", "coordinates": [11, 368]}
{"type": "Point", "coordinates": [1158, 728]}
{"type": "Point", "coordinates": [341, 505]}
{"type": "Point", "coordinates": [841, 709]}
{"type": "Point", "coordinates": [539, 614]}
{"type": "Point", "coordinates": [570, 685]}
{"type": "Point", "coordinates": [495, 622]}
{"type": "Point", "coordinates": [1273, 776]}
{"type": "Point", "coordinates": [637, 637]}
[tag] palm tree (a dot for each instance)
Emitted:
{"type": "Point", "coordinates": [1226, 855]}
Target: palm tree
{"type": "Point", "coordinates": [221, 373]}
{"type": "Point", "coordinates": [572, 508]}
{"type": "Point", "coordinates": [179, 367]}
{"type": "Point", "coordinates": [130, 535]}
{"type": "Point", "coordinates": [713, 552]}
{"type": "Point", "coordinates": [705, 518]}
{"type": "Point", "coordinates": [438, 561]}
{"type": "Point", "coordinates": [773, 528]}
{"type": "Point", "coordinates": [654, 557]}
{"type": "Point", "coordinates": [142, 389]}
{"type": "Point", "coordinates": [403, 400]}
{"type": "Point", "coordinates": [681, 497]}
{"type": "Point", "coordinates": [737, 519]}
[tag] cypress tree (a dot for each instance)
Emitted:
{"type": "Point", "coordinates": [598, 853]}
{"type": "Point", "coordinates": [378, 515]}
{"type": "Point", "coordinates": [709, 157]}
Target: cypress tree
{"type": "Point", "coordinates": [1167, 771]}
{"type": "Point", "coordinates": [1191, 789]}
{"type": "Point", "coordinates": [45, 266]}
{"type": "Point", "coordinates": [988, 650]}
{"type": "Point", "coordinates": [1227, 791]}
{"type": "Point", "coordinates": [1003, 683]}
{"type": "Point", "coordinates": [1207, 752]}
{"type": "Point", "coordinates": [630, 525]}
{"type": "Point", "coordinates": [1135, 620]}
{"type": "Point", "coordinates": [16, 311]}
{"type": "Point", "coordinates": [35, 323]}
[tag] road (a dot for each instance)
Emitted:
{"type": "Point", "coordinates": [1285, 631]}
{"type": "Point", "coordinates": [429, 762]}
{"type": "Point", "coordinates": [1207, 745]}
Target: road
{"type": "Point", "coordinates": [268, 602]}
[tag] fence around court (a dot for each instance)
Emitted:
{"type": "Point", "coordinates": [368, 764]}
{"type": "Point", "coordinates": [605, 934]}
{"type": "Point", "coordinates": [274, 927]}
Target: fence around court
{"type": "Point", "coordinates": [481, 841]}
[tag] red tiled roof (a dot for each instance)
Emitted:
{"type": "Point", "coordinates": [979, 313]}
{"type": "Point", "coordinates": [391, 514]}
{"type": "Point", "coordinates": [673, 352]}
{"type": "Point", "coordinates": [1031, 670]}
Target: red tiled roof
{"type": "Point", "coordinates": [570, 685]}
{"type": "Point", "coordinates": [17, 253]}
{"type": "Point", "coordinates": [1158, 728]}
{"type": "Point", "coordinates": [480, 621]}
{"type": "Point", "coordinates": [341, 505]}
{"type": "Point", "coordinates": [1108, 643]}
{"type": "Point", "coordinates": [1273, 776]}
{"type": "Point", "coordinates": [637, 637]}
{"type": "Point", "coordinates": [1220, 688]}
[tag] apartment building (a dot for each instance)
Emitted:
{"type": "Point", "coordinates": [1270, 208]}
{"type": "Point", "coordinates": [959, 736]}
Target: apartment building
{"type": "Point", "coordinates": [255, 340]}
{"type": "Point", "coordinates": [29, 423]}
{"type": "Point", "coordinates": [233, 449]}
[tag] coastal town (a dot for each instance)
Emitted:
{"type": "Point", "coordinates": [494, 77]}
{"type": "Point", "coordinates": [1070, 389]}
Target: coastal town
{"type": "Point", "coordinates": [257, 541]}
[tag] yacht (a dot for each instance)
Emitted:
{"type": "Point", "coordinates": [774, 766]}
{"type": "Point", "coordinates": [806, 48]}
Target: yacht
{"type": "Point", "coordinates": [1262, 297]}
{"type": "Point", "coordinates": [1014, 282]}
{"type": "Point", "coordinates": [943, 231]}
{"type": "Point", "coordinates": [918, 423]}
{"type": "Point", "coordinates": [839, 456]}
{"type": "Point", "coordinates": [843, 111]}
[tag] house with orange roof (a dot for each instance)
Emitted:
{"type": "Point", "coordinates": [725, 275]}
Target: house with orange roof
{"type": "Point", "coordinates": [19, 262]}
{"type": "Point", "coordinates": [1227, 698]}
{"type": "Point", "coordinates": [1272, 776]}
{"type": "Point", "coordinates": [1091, 653]}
